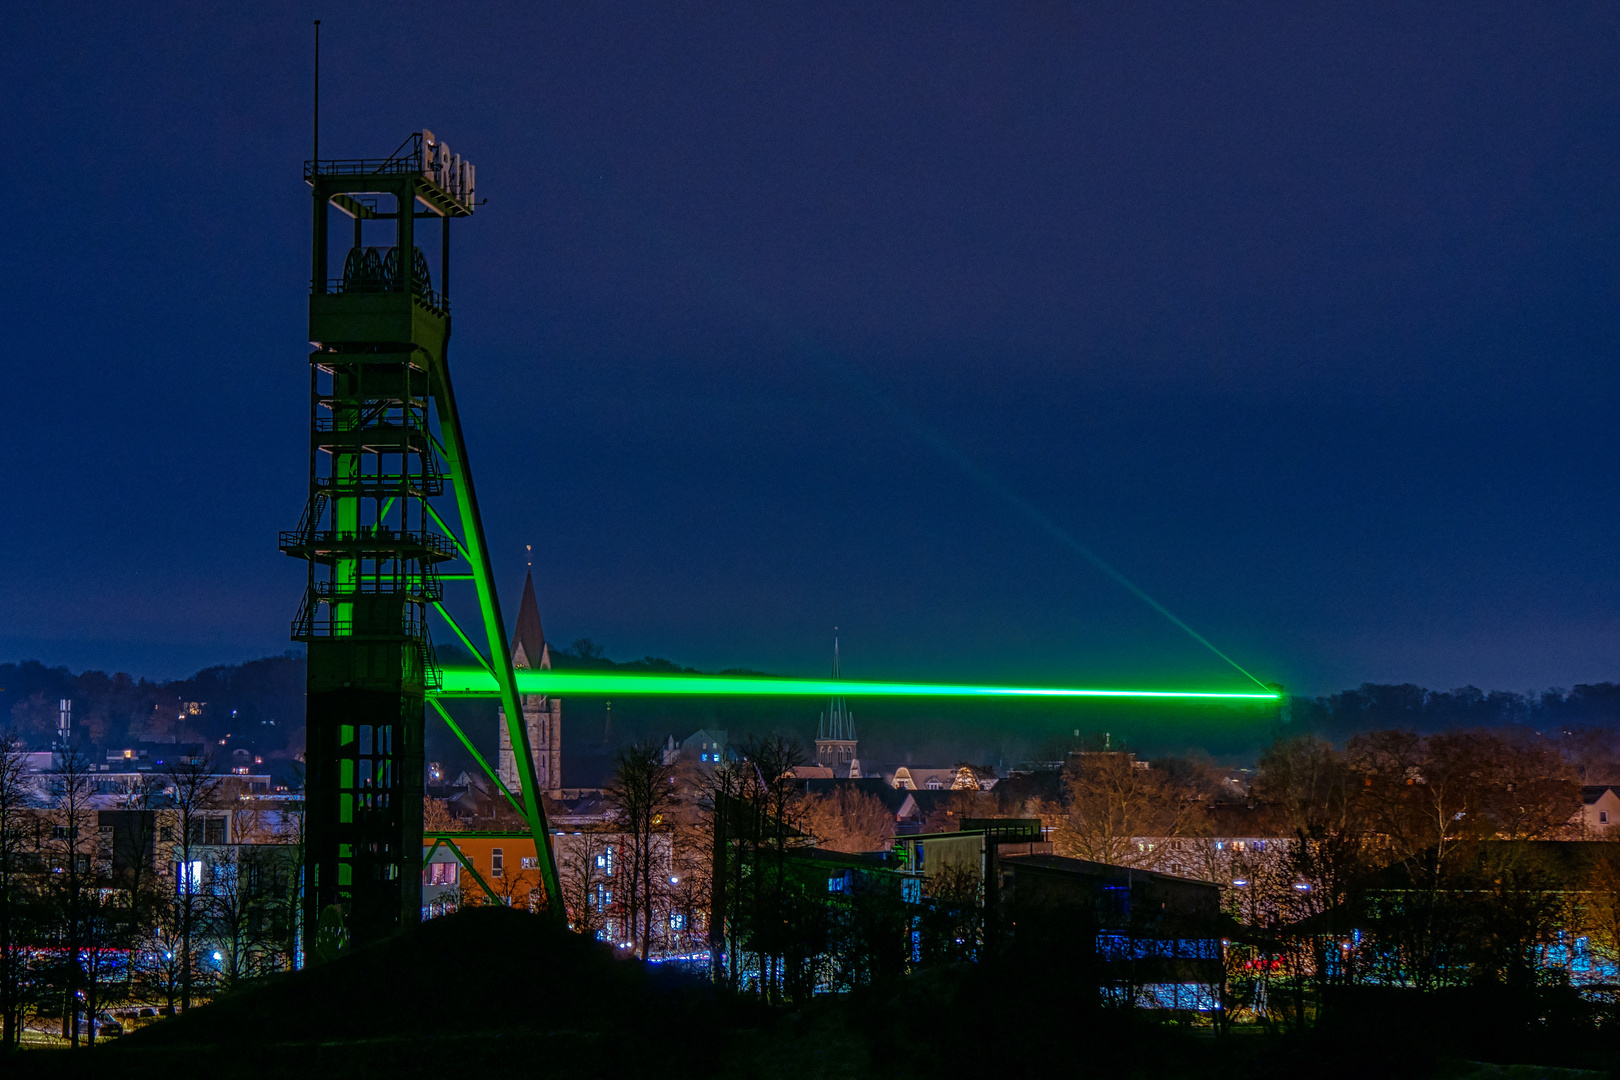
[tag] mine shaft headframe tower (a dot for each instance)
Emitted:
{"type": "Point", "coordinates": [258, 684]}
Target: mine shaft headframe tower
{"type": "Point", "coordinates": [385, 442]}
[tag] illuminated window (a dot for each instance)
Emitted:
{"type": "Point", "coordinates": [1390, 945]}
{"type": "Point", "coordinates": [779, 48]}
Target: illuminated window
{"type": "Point", "coordinates": [188, 876]}
{"type": "Point", "coordinates": [496, 863]}
{"type": "Point", "coordinates": [529, 862]}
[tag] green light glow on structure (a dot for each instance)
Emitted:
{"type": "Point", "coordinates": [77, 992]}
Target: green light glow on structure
{"type": "Point", "coordinates": [460, 682]}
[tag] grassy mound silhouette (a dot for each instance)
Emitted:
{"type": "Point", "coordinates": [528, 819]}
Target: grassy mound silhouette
{"type": "Point", "coordinates": [494, 989]}
{"type": "Point", "coordinates": [486, 987]}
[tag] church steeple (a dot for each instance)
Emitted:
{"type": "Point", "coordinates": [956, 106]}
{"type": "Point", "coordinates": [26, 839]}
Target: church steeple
{"type": "Point", "coordinates": [529, 649]}
{"type": "Point", "coordinates": [542, 713]}
{"type": "Point", "coordinates": [835, 736]}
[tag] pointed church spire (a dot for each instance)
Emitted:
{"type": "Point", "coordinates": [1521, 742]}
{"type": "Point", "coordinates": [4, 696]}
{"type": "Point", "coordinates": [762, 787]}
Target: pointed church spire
{"type": "Point", "coordinates": [529, 639]}
{"type": "Point", "coordinates": [837, 722]}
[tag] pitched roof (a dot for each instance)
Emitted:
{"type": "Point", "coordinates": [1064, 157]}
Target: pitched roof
{"type": "Point", "coordinates": [529, 637]}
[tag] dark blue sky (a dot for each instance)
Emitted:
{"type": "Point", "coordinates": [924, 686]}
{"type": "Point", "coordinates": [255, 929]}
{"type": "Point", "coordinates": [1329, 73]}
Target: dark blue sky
{"type": "Point", "coordinates": [1303, 318]}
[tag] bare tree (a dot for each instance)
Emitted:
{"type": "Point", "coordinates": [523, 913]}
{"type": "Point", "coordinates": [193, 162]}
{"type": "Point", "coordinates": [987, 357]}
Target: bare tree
{"type": "Point", "coordinates": [849, 820]}
{"type": "Point", "coordinates": [1599, 913]}
{"type": "Point", "coordinates": [718, 804]}
{"type": "Point", "coordinates": [289, 830]}
{"type": "Point", "coordinates": [436, 817]}
{"type": "Point", "coordinates": [770, 798]}
{"type": "Point", "coordinates": [15, 819]}
{"type": "Point", "coordinates": [191, 787]}
{"type": "Point", "coordinates": [691, 858]}
{"type": "Point", "coordinates": [72, 878]}
{"type": "Point", "coordinates": [582, 873]}
{"type": "Point", "coordinates": [231, 916]}
{"type": "Point", "coordinates": [643, 789]}
{"type": "Point", "coordinates": [1110, 799]}
{"type": "Point", "coordinates": [163, 966]}
{"type": "Point", "coordinates": [107, 927]}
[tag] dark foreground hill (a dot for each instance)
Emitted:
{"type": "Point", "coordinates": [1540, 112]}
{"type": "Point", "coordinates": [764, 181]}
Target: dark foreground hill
{"type": "Point", "coordinates": [486, 988]}
{"type": "Point", "coordinates": [495, 992]}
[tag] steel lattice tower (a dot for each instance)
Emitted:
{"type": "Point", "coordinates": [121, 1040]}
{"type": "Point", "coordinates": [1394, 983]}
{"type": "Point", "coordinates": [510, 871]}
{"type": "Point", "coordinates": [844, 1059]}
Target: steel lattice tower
{"type": "Point", "coordinates": [385, 441]}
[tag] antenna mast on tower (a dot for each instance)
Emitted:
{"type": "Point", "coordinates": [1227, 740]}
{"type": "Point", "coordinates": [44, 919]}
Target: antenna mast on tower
{"type": "Point", "coordinates": [386, 449]}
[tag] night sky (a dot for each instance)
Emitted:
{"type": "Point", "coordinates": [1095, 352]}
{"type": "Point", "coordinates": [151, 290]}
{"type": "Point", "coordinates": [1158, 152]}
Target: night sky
{"type": "Point", "coordinates": [787, 317]}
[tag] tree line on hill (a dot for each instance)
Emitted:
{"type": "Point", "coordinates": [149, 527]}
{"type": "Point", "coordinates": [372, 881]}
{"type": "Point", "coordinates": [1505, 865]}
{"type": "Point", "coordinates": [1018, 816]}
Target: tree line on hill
{"type": "Point", "coordinates": [262, 702]}
{"type": "Point", "coordinates": [1374, 706]}
{"type": "Point", "coordinates": [259, 703]}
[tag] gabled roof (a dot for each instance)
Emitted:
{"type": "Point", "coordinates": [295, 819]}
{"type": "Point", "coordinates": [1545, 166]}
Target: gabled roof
{"type": "Point", "coordinates": [529, 638]}
{"type": "Point", "coordinates": [717, 736]}
{"type": "Point", "coordinates": [920, 804]}
{"type": "Point", "coordinates": [1591, 793]}
{"type": "Point", "coordinates": [918, 777]}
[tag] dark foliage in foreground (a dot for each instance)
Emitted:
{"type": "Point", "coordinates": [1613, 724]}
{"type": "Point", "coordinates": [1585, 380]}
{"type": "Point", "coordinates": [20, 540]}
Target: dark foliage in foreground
{"type": "Point", "coordinates": [490, 988]}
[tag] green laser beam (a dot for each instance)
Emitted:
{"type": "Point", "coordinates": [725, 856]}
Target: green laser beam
{"type": "Point", "coordinates": [475, 682]}
{"type": "Point", "coordinates": [728, 285]}
{"type": "Point", "coordinates": [996, 486]}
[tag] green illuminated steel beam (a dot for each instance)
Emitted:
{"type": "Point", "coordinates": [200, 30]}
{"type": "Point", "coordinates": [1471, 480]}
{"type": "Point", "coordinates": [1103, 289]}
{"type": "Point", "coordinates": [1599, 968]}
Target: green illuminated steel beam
{"type": "Point", "coordinates": [462, 681]}
{"type": "Point", "coordinates": [438, 605]}
{"type": "Point", "coordinates": [504, 679]}
{"type": "Point", "coordinates": [445, 841]}
{"type": "Point", "coordinates": [434, 514]}
{"type": "Point", "coordinates": [455, 728]}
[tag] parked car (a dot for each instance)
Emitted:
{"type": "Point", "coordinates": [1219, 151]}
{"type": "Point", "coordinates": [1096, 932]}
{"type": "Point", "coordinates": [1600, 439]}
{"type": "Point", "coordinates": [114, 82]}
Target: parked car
{"type": "Point", "coordinates": [106, 1026]}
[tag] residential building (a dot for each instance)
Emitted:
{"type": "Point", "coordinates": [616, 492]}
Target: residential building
{"type": "Point", "coordinates": [1158, 936]}
{"type": "Point", "coordinates": [475, 868]}
{"type": "Point", "coordinates": [706, 747]}
{"type": "Point", "coordinates": [919, 778]}
{"type": "Point", "coordinates": [1600, 808]}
